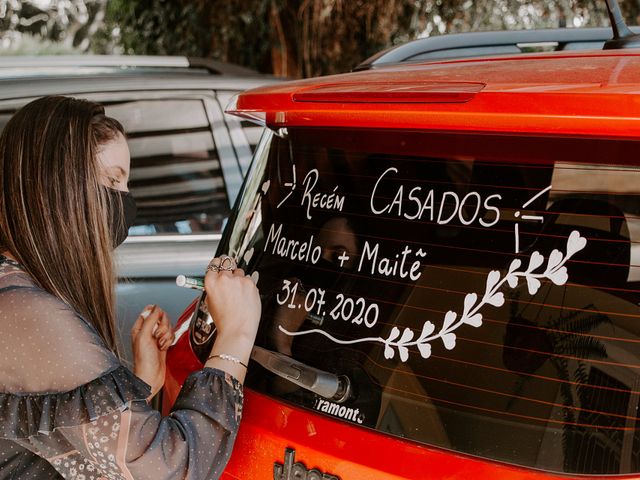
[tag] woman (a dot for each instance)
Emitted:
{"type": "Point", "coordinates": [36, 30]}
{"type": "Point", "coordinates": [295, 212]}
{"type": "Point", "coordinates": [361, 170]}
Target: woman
{"type": "Point", "coordinates": [67, 405]}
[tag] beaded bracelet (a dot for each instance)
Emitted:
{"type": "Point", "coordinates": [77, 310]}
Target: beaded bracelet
{"type": "Point", "coordinates": [229, 358]}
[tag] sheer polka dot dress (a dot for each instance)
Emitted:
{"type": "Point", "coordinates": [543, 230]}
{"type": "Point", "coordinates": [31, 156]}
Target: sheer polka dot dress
{"type": "Point", "coordinates": [69, 409]}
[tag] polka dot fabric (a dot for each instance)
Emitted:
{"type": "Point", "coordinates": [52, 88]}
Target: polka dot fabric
{"type": "Point", "coordinates": [69, 409]}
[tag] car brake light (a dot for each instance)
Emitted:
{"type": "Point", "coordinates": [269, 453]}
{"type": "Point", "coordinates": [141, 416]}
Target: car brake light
{"type": "Point", "coordinates": [391, 92]}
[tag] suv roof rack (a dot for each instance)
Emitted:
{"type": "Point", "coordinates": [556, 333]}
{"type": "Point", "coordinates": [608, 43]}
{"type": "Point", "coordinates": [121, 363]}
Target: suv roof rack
{"type": "Point", "coordinates": [476, 44]}
{"type": "Point", "coordinates": [222, 68]}
{"type": "Point", "coordinates": [119, 61]}
{"type": "Point", "coordinates": [93, 61]}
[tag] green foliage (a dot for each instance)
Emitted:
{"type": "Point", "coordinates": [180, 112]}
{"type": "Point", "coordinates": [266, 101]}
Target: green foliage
{"type": "Point", "coordinates": [297, 38]}
{"type": "Point", "coordinates": [302, 38]}
{"type": "Point", "coordinates": [46, 28]}
{"type": "Point", "coordinates": [239, 32]}
{"type": "Point", "coordinates": [156, 27]}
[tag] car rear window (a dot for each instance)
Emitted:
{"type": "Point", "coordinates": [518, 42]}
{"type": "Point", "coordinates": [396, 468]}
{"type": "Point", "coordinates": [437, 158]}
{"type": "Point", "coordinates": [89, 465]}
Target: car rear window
{"type": "Point", "coordinates": [480, 292]}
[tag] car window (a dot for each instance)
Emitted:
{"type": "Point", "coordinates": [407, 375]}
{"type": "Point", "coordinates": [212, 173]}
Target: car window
{"type": "Point", "coordinates": [245, 135]}
{"type": "Point", "coordinates": [175, 177]}
{"type": "Point", "coordinates": [479, 292]}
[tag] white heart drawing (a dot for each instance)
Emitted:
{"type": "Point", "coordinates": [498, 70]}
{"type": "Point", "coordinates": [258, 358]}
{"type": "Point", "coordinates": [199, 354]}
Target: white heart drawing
{"type": "Point", "coordinates": [247, 256]}
{"type": "Point", "coordinates": [449, 341]}
{"type": "Point", "coordinates": [575, 243]}
{"type": "Point", "coordinates": [425, 350]}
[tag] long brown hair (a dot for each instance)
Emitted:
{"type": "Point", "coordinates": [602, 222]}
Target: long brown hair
{"type": "Point", "coordinates": [53, 208]}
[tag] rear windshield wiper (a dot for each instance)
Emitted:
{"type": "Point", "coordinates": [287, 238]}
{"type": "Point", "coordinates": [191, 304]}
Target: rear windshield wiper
{"type": "Point", "coordinates": [336, 388]}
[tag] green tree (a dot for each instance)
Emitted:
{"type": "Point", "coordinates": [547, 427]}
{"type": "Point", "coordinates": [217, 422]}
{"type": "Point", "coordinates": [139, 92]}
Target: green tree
{"type": "Point", "coordinates": [287, 37]}
{"type": "Point", "coordinates": [296, 38]}
{"type": "Point", "coordinates": [49, 26]}
{"type": "Point", "coordinates": [302, 38]}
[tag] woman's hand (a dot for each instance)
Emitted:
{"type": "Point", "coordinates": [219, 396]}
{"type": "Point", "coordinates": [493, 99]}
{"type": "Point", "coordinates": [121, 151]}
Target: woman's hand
{"type": "Point", "coordinates": [234, 303]}
{"type": "Point", "coordinates": [151, 336]}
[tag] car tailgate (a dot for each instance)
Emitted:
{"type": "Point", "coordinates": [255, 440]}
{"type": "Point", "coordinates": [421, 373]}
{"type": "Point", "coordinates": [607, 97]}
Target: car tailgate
{"type": "Point", "coordinates": [324, 449]}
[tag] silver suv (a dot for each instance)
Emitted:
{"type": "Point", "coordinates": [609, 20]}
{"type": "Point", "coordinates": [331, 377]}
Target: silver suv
{"type": "Point", "coordinates": [188, 159]}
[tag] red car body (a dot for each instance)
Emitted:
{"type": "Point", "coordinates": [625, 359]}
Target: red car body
{"type": "Point", "coordinates": [562, 97]}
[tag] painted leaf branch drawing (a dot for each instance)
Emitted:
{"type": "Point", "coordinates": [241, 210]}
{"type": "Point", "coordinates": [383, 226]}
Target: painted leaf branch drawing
{"type": "Point", "coordinates": [554, 270]}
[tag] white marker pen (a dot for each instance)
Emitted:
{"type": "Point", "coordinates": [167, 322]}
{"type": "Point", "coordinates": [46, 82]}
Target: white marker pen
{"type": "Point", "coordinates": [189, 282]}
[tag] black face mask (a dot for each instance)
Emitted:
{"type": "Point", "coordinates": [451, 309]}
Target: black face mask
{"type": "Point", "coordinates": [122, 215]}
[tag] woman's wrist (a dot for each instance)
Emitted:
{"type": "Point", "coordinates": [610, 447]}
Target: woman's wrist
{"type": "Point", "coordinates": [231, 353]}
{"type": "Point", "coordinates": [240, 350]}
{"type": "Point", "coordinates": [228, 358]}
{"type": "Point", "coordinates": [234, 369]}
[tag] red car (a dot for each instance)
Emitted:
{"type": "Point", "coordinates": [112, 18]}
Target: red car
{"type": "Point", "coordinates": [448, 260]}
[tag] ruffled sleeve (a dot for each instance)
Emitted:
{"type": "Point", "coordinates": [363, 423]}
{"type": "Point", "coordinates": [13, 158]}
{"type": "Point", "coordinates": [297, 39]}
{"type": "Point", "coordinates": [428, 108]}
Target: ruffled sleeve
{"type": "Point", "coordinates": [26, 415]}
{"type": "Point", "coordinates": [66, 399]}
{"type": "Point", "coordinates": [106, 428]}
{"type": "Point", "coordinates": [196, 439]}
